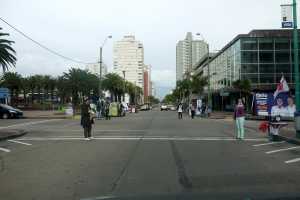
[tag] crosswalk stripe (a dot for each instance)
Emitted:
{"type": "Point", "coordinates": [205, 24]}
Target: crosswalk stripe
{"type": "Point", "coordinates": [14, 141]}
{"type": "Point", "coordinates": [5, 150]}
{"type": "Point", "coordinates": [292, 161]}
{"type": "Point", "coordinates": [280, 150]}
{"type": "Point", "coordinates": [270, 143]}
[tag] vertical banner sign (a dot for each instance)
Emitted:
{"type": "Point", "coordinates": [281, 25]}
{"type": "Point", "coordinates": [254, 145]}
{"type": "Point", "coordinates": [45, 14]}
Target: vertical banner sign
{"type": "Point", "coordinates": [287, 16]}
{"type": "Point", "coordinates": [261, 104]}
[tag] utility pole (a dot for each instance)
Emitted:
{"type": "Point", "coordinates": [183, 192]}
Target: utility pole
{"type": "Point", "coordinates": [100, 65]}
{"type": "Point", "coordinates": [296, 60]}
{"type": "Point", "coordinates": [100, 73]}
{"type": "Point", "coordinates": [208, 71]}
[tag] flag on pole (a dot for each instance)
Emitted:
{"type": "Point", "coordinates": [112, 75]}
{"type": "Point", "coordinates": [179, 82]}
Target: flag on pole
{"type": "Point", "coordinates": [281, 87]}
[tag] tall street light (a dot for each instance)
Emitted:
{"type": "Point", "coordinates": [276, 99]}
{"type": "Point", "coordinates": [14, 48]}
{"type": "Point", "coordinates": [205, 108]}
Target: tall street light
{"type": "Point", "coordinates": [100, 64]}
{"type": "Point", "coordinates": [296, 60]}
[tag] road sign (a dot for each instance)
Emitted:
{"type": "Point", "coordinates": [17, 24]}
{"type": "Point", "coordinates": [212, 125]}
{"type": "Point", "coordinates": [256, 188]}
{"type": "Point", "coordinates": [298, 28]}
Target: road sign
{"type": "Point", "coordinates": [287, 16]}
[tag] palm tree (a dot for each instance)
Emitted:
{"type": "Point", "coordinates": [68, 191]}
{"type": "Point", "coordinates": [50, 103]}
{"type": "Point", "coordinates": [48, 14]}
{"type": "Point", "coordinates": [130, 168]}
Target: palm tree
{"type": "Point", "coordinates": [7, 53]}
{"type": "Point", "coordinates": [114, 84]}
{"type": "Point", "coordinates": [25, 88]}
{"type": "Point", "coordinates": [32, 82]}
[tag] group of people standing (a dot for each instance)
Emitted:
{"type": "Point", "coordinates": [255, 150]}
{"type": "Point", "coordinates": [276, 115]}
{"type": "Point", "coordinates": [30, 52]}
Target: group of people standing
{"type": "Point", "coordinates": [203, 110]}
{"type": "Point", "coordinates": [88, 115]}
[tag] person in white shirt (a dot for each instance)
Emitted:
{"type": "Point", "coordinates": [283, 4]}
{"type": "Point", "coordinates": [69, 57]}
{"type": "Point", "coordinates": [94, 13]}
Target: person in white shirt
{"type": "Point", "coordinates": [291, 108]}
{"type": "Point", "coordinates": [180, 110]}
{"type": "Point", "coordinates": [279, 109]}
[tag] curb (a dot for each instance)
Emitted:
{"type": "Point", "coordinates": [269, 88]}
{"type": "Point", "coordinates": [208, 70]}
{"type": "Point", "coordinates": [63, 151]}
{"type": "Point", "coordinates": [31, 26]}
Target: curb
{"type": "Point", "coordinates": [18, 133]}
{"type": "Point", "coordinates": [289, 140]}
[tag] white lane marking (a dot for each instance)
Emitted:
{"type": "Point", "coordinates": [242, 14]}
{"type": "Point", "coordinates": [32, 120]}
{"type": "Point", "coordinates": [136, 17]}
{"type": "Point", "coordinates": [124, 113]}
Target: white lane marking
{"type": "Point", "coordinates": [280, 150]}
{"type": "Point", "coordinates": [20, 142]}
{"type": "Point", "coordinates": [29, 123]}
{"type": "Point", "coordinates": [160, 138]}
{"type": "Point", "coordinates": [270, 143]}
{"type": "Point", "coordinates": [292, 161]}
{"type": "Point", "coordinates": [5, 150]}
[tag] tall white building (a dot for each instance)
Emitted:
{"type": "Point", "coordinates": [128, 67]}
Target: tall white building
{"type": "Point", "coordinates": [188, 53]}
{"type": "Point", "coordinates": [129, 58]}
{"type": "Point", "coordinates": [94, 68]}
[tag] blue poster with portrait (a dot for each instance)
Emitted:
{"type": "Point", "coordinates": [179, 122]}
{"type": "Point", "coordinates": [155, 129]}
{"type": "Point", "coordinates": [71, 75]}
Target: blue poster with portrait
{"type": "Point", "coordinates": [283, 104]}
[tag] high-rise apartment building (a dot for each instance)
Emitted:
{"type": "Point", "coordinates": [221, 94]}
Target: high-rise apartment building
{"type": "Point", "coordinates": [129, 59]}
{"type": "Point", "coordinates": [188, 53]}
{"type": "Point", "coordinates": [94, 68]}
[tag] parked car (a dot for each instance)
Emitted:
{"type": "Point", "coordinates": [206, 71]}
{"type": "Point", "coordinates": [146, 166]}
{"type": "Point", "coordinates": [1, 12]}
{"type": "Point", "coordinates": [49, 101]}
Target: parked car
{"type": "Point", "coordinates": [145, 107]}
{"type": "Point", "coordinates": [164, 107]}
{"type": "Point", "coordinates": [7, 111]}
{"type": "Point", "coordinates": [172, 108]}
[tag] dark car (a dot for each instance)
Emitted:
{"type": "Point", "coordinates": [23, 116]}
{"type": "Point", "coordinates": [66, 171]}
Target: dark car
{"type": "Point", "coordinates": [7, 111]}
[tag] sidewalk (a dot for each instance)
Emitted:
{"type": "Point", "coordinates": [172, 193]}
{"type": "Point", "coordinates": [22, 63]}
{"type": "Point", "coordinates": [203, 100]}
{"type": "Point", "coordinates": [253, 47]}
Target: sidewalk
{"type": "Point", "coordinates": [11, 133]}
{"type": "Point", "coordinates": [287, 133]}
{"type": "Point", "coordinates": [40, 114]}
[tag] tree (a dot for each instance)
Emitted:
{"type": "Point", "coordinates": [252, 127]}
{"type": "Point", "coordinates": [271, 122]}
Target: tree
{"type": "Point", "coordinates": [12, 81]}
{"type": "Point", "coordinates": [25, 88]}
{"type": "Point", "coordinates": [78, 83]}
{"type": "Point", "coordinates": [32, 86]}
{"type": "Point", "coordinates": [115, 85]}
{"type": "Point", "coordinates": [153, 100]}
{"type": "Point", "coordinates": [7, 53]}
{"type": "Point", "coordinates": [243, 86]}
{"type": "Point", "coordinates": [198, 83]}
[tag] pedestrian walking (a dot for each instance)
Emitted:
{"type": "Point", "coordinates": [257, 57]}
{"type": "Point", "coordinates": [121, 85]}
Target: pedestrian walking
{"type": "Point", "coordinates": [239, 116]}
{"type": "Point", "coordinates": [106, 106]}
{"type": "Point", "coordinates": [180, 110]}
{"type": "Point", "coordinates": [87, 119]}
{"type": "Point", "coordinates": [193, 110]}
{"type": "Point", "coordinates": [98, 108]}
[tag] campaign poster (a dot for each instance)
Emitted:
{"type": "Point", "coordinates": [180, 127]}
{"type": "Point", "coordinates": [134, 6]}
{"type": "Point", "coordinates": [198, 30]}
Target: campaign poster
{"type": "Point", "coordinates": [261, 103]}
{"type": "Point", "coordinates": [282, 105]}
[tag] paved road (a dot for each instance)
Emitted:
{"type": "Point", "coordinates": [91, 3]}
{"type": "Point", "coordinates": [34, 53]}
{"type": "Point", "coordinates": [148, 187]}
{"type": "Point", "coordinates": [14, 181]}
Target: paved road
{"type": "Point", "coordinates": [145, 154]}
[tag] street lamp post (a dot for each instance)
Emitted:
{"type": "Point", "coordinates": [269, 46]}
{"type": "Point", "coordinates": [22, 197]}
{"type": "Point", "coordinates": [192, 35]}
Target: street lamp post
{"type": "Point", "coordinates": [100, 65]}
{"type": "Point", "coordinates": [296, 60]}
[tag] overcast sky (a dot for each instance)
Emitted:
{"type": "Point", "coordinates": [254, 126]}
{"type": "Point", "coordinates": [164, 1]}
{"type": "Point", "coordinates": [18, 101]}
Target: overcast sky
{"type": "Point", "coordinates": [76, 28]}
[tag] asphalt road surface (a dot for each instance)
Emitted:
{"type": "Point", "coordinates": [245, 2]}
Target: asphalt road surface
{"type": "Point", "coordinates": [149, 155]}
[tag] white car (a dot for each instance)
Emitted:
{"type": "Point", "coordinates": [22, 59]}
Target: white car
{"type": "Point", "coordinates": [163, 107]}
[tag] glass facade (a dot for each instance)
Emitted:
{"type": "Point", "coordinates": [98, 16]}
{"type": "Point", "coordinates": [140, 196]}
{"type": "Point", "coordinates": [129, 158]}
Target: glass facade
{"type": "Point", "coordinates": [262, 60]}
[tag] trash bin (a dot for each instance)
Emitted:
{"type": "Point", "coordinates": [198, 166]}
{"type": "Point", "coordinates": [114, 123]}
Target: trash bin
{"type": "Point", "coordinates": [297, 121]}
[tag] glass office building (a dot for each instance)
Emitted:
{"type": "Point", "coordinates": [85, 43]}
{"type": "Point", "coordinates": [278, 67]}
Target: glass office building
{"type": "Point", "coordinates": [262, 56]}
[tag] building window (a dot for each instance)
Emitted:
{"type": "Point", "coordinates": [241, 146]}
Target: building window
{"type": "Point", "coordinates": [283, 68]}
{"type": "Point", "coordinates": [249, 68]}
{"type": "Point", "coordinates": [253, 78]}
{"type": "Point", "coordinates": [249, 57]}
{"type": "Point", "coordinates": [282, 44]}
{"type": "Point", "coordinates": [282, 56]}
{"type": "Point", "coordinates": [267, 78]}
{"type": "Point", "coordinates": [266, 44]}
{"type": "Point", "coordinates": [266, 68]}
{"type": "Point", "coordinates": [266, 57]}
{"type": "Point", "coordinates": [249, 44]}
